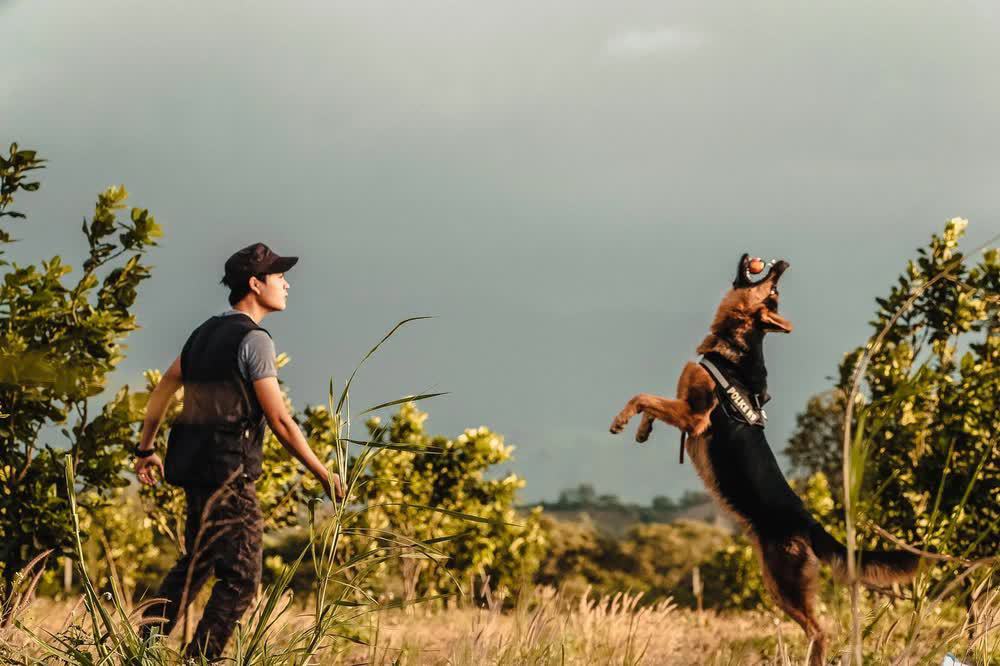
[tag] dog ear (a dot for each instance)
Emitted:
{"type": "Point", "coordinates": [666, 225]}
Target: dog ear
{"type": "Point", "coordinates": [742, 273]}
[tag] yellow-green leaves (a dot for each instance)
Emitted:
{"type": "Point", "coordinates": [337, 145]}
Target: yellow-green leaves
{"type": "Point", "coordinates": [922, 455]}
{"type": "Point", "coordinates": [13, 171]}
{"type": "Point", "coordinates": [59, 344]}
{"type": "Point", "coordinates": [424, 486]}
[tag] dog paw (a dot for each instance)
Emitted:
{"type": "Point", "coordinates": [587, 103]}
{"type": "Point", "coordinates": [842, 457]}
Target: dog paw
{"type": "Point", "coordinates": [617, 425]}
{"type": "Point", "coordinates": [642, 434]}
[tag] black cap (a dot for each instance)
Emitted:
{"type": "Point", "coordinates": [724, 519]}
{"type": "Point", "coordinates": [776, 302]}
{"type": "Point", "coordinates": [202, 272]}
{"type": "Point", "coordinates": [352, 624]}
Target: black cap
{"type": "Point", "coordinates": [254, 260]}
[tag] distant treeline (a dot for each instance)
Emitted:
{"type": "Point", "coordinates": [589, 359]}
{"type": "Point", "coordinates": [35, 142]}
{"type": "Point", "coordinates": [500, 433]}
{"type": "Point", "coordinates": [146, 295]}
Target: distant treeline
{"type": "Point", "coordinates": [585, 497]}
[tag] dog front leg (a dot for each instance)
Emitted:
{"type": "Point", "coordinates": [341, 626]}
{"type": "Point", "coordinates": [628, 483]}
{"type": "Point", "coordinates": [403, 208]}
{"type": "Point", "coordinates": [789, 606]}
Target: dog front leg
{"type": "Point", "coordinates": [675, 412]}
{"type": "Point", "coordinates": [645, 428]}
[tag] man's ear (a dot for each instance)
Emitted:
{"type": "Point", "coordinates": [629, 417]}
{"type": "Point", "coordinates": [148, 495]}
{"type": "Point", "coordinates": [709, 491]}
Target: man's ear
{"type": "Point", "coordinates": [258, 287]}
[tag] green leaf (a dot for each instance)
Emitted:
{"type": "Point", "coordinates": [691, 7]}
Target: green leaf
{"type": "Point", "coordinates": [347, 386]}
{"type": "Point", "coordinates": [396, 446]}
{"type": "Point", "coordinates": [399, 401]}
{"type": "Point", "coordinates": [453, 514]}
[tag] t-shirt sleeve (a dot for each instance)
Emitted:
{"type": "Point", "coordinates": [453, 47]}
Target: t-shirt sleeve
{"type": "Point", "coordinates": [257, 356]}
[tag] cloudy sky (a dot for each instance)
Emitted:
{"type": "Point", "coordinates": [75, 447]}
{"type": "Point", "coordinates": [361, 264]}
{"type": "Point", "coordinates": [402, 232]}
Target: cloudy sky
{"type": "Point", "coordinates": [566, 186]}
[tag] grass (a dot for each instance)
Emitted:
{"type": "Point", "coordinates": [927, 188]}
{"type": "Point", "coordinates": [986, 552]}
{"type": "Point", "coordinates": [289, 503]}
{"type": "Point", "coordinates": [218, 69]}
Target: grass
{"type": "Point", "coordinates": [103, 628]}
{"type": "Point", "coordinates": [547, 628]}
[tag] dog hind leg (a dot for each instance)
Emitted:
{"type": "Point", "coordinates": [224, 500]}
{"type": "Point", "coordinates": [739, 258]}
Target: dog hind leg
{"type": "Point", "coordinates": [791, 576]}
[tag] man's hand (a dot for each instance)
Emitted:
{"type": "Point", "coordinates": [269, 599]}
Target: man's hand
{"type": "Point", "coordinates": [338, 486]}
{"type": "Point", "coordinates": [145, 468]}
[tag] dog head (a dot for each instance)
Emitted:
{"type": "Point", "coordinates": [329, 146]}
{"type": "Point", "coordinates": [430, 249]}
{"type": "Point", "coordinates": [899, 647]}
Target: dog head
{"type": "Point", "coordinates": [750, 308]}
{"type": "Point", "coordinates": [758, 299]}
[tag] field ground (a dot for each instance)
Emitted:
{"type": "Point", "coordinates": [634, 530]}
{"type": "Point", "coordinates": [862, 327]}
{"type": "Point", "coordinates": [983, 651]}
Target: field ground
{"type": "Point", "coordinates": [611, 631]}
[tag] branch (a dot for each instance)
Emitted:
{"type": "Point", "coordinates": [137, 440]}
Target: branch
{"type": "Point", "coordinates": [927, 554]}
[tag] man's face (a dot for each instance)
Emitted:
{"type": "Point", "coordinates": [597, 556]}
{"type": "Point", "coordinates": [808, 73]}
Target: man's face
{"type": "Point", "coordinates": [273, 293]}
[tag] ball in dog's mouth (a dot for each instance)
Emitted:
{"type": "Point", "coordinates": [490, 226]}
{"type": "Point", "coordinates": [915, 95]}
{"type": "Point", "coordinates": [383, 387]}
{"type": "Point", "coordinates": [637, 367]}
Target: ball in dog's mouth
{"type": "Point", "coordinates": [756, 266]}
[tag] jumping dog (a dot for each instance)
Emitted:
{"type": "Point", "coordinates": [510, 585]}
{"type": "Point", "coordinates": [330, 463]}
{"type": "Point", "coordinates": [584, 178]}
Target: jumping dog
{"type": "Point", "coordinates": [719, 412]}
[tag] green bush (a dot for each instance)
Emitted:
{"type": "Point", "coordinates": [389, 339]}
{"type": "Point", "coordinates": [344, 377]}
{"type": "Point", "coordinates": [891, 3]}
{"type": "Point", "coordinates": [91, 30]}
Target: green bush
{"type": "Point", "coordinates": [450, 476]}
{"type": "Point", "coordinates": [731, 577]}
{"type": "Point", "coordinates": [60, 343]}
{"type": "Point", "coordinates": [655, 559]}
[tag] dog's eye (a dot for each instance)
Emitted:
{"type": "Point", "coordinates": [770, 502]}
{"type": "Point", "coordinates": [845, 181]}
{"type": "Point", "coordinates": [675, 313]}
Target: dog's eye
{"type": "Point", "coordinates": [774, 291]}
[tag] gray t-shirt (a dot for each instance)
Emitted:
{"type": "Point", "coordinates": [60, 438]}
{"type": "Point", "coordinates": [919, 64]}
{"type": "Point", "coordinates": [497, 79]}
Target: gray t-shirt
{"type": "Point", "coordinates": [256, 354]}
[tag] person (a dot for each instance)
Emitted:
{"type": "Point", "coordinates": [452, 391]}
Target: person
{"type": "Point", "coordinates": [214, 450]}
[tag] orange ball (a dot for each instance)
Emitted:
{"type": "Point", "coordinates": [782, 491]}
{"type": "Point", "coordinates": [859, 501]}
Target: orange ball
{"type": "Point", "coordinates": [756, 265]}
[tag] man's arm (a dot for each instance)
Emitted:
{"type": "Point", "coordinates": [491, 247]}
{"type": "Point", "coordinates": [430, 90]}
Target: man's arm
{"type": "Point", "coordinates": [287, 431]}
{"type": "Point", "coordinates": [159, 400]}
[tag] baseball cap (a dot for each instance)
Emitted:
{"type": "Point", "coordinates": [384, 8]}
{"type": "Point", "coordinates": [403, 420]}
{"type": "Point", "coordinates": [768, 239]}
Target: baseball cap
{"type": "Point", "coordinates": [256, 259]}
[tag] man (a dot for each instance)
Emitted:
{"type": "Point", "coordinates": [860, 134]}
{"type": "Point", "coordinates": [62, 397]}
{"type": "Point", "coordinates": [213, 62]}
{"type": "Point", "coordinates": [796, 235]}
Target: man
{"type": "Point", "coordinates": [214, 451]}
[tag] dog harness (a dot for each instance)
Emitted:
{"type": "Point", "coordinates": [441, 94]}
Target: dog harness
{"type": "Point", "coordinates": [736, 401]}
{"type": "Point", "coordinates": [739, 403]}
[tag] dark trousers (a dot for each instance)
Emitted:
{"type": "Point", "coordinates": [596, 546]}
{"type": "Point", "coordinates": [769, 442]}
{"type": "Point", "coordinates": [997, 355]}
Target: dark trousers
{"type": "Point", "coordinates": [222, 536]}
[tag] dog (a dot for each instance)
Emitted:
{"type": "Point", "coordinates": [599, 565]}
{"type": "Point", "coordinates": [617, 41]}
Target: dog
{"type": "Point", "coordinates": [719, 410]}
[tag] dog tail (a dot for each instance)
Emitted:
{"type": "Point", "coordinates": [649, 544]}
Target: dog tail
{"type": "Point", "coordinates": [878, 567]}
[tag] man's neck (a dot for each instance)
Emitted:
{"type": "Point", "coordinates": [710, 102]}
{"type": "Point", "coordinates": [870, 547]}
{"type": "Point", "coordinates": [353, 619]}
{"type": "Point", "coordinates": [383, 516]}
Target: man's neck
{"type": "Point", "coordinates": [252, 310]}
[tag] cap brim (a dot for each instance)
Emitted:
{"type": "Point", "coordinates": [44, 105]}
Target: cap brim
{"type": "Point", "coordinates": [282, 264]}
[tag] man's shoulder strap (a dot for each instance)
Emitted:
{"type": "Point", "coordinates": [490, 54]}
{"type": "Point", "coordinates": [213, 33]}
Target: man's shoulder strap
{"type": "Point", "coordinates": [243, 320]}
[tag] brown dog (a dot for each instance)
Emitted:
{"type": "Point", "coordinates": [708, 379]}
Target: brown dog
{"type": "Point", "coordinates": [718, 408]}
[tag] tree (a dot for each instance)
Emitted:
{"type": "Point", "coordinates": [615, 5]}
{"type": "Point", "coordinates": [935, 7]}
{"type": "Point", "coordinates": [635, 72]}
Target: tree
{"type": "Point", "coordinates": [732, 577]}
{"type": "Point", "coordinates": [421, 493]}
{"type": "Point", "coordinates": [608, 501]}
{"type": "Point", "coordinates": [933, 415]}
{"type": "Point", "coordinates": [583, 496]}
{"type": "Point", "coordinates": [657, 560]}
{"type": "Point", "coordinates": [57, 347]}
{"type": "Point", "coordinates": [692, 498]}
{"type": "Point", "coordinates": [815, 445]}
{"type": "Point", "coordinates": [929, 413]}
{"type": "Point", "coordinates": [575, 558]}
{"type": "Point", "coordinates": [663, 504]}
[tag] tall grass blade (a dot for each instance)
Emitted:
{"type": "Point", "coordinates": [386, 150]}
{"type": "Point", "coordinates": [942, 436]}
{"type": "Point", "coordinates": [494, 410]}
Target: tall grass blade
{"type": "Point", "coordinates": [407, 398]}
{"type": "Point", "coordinates": [347, 386]}
{"type": "Point", "coordinates": [397, 446]}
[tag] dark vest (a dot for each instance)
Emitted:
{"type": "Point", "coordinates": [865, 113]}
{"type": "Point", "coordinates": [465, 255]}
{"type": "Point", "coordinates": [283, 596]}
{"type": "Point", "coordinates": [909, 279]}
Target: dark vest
{"type": "Point", "coordinates": [222, 424]}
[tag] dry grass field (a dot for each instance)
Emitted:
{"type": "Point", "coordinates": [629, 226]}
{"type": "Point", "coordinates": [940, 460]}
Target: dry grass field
{"type": "Point", "coordinates": [550, 629]}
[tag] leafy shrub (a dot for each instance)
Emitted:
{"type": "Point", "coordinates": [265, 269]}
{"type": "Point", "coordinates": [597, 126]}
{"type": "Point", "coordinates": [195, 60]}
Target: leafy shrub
{"type": "Point", "coordinates": [60, 342]}
{"type": "Point", "coordinates": [655, 559]}
{"type": "Point", "coordinates": [451, 477]}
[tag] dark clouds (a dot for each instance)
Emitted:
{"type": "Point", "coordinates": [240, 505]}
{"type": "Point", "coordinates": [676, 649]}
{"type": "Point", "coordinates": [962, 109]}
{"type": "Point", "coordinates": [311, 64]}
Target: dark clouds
{"type": "Point", "coordinates": [566, 185]}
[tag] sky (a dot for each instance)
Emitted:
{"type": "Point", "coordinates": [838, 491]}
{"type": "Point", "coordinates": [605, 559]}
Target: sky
{"type": "Point", "coordinates": [565, 186]}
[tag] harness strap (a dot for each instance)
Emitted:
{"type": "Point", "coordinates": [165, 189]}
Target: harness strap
{"type": "Point", "coordinates": [735, 397]}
